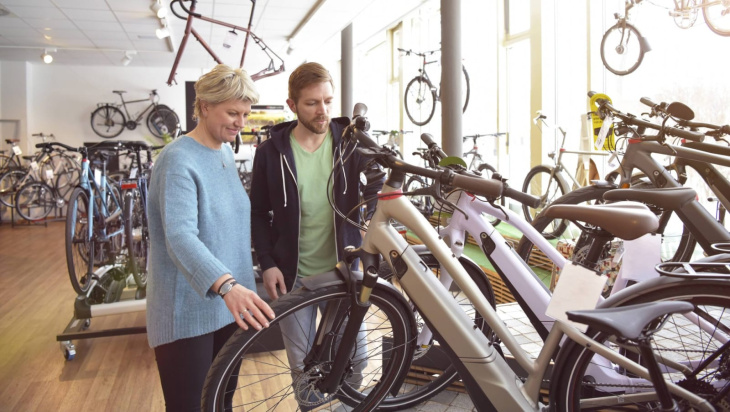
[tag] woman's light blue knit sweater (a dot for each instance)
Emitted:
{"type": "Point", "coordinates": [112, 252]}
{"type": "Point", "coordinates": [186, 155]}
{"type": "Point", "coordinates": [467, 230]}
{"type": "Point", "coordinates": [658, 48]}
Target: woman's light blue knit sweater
{"type": "Point", "coordinates": [200, 229]}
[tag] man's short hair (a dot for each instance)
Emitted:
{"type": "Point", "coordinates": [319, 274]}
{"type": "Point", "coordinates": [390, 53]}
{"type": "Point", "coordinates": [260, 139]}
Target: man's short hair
{"type": "Point", "coordinates": [306, 75]}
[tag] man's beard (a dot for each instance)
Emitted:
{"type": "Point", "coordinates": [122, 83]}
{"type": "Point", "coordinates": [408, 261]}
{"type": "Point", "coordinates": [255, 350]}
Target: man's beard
{"type": "Point", "coordinates": [315, 128]}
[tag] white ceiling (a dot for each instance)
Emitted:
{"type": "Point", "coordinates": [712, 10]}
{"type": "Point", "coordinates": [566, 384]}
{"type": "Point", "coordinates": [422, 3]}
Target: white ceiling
{"type": "Point", "coordinates": [98, 32]}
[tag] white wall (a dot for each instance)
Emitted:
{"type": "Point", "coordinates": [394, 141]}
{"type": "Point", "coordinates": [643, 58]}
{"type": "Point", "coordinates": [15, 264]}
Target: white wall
{"type": "Point", "coordinates": [59, 99]}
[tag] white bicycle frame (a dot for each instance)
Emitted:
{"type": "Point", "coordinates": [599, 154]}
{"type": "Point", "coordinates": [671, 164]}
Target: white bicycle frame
{"type": "Point", "coordinates": [489, 371]}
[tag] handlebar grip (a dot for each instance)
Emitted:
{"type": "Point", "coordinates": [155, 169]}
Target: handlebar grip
{"type": "Point", "coordinates": [359, 110]}
{"type": "Point", "coordinates": [647, 101]}
{"type": "Point", "coordinates": [364, 139]}
{"type": "Point", "coordinates": [522, 197]}
{"type": "Point", "coordinates": [591, 93]}
{"type": "Point", "coordinates": [686, 134]}
{"type": "Point", "coordinates": [479, 186]}
{"type": "Point", "coordinates": [51, 144]}
{"type": "Point", "coordinates": [428, 139]}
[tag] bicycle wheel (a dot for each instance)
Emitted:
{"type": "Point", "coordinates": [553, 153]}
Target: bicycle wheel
{"type": "Point", "coordinates": [423, 203]}
{"type": "Point", "coordinates": [622, 49]}
{"type": "Point", "coordinates": [107, 121]}
{"type": "Point", "coordinates": [431, 372]}
{"type": "Point", "coordinates": [465, 89]}
{"type": "Point", "coordinates": [717, 16]}
{"type": "Point", "coordinates": [420, 100]}
{"type": "Point", "coordinates": [137, 239]}
{"type": "Point", "coordinates": [541, 182]}
{"type": "Point", "coordinates": [78, 242]}
{"type": "Point", "coordinates": [35, 201]}
{"type": "Point", "coordinates": [274, 385]}
{"type": "Point", "coordinates": [487, 171]}
{"type": "Point", "coordinates": [66, 171]}
{"type": "Point", "coordinates": [582, 377]}
{"type": "Point", "coordinates": [9, 182]}
{"type": "Point", "coordinates": [163, 121]}
{"type": "Point", "coordinates": [8, 163]}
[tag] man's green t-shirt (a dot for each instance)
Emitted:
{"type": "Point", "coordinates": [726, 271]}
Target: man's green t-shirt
{"type": "Point", "coordinates": [317, 245]}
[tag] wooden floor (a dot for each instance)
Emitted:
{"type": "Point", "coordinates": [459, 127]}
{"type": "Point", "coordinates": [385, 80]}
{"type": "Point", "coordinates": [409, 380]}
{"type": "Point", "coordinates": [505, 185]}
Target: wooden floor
{"type": "Point", "coordinates": [36, 303]}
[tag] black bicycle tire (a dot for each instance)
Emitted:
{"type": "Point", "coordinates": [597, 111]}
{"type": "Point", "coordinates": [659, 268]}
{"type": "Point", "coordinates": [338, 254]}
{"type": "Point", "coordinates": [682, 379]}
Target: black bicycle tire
{"type": "Point", "coordinates": [242, 340]}
{"type": "Point", "coordinates": [468, 88]}
{"type": "Point", "coordinates": [631, 28]}
{"type": "Point", "coordinates": [137, 267]}
{"type": "Point", "coordinates": [80, 281]}
{"type": "Point", "coordinates": [169, 118]}
{"type": "Point", "coordinates": [419, 79]}
{"type": "Point", "coordinates": [580, 195]}
{"type": "Point", "coordinates": [491, 219]}
{"type": "Point", "coordinates": [715, 29]}
{"type": "Point", "coordinates": [437, 385]}
{"type": "Point", "coordinates": [426, 208]}
{"type": "Point", "coordinates": [562, 186]}
{"type": "Point", "coordinates": [115, 132]}
{"type": "Point", "coordinates": [572, 356]}
{"type": "Point", "coordinates": [25, 212]}
{"type": "Point", "coordinates": [8, 190]}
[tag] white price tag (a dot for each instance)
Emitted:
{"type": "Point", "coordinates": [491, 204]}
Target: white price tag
{"type": "Point", "coordinates": [640, 257]}
{"type": "Point", "coordinates": [97, 177]}
{"type": "Point", "coordinates": [133, 173]}
{"type": "Point", "coordinates": [34, 165]}
{"type": "Point", "coordinates": [577, 289]}
{"type": "Point", "coordinates": [17, 151]}
{"type": "Point", "coordinates": [605, 127]}
{"type": "Point", "coordinates": [49, 174]}
{"type": "Point", "coordinates": [612, 160]}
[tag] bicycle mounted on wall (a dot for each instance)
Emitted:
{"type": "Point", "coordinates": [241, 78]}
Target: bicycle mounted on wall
{"type": "Point", "coordinates": [623, 47]}
{"type": "Point", "coordinates": [270, 70]}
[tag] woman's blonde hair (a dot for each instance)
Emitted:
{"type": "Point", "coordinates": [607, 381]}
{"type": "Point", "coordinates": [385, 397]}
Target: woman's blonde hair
{"type": "Point", "coordinates": [221, 84]}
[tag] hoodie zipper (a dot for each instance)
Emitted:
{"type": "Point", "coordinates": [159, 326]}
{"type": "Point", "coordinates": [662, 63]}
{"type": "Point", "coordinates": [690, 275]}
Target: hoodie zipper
{"type": "Point", "coordinates": [299, 221]}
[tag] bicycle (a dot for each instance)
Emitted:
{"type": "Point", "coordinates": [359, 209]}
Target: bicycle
{"type": "Point", "coordinates": [43, 165]}
{"type": "Point", "coordinates": [487, 377]}
{"type": "Point", "coordinates": [547, 181]}
{"type": "Point", "coordinates": [109, 121]}
{"type": "Point", "coordinates": [8, 162]}
{"type": "Point", "coordinates": [476, 163]}
{"type": "Point", "coordinates": [681, 215]}
{"type": "Point", "coordinates": [35, 199]}
{"type": "Point", "coordinates": [94, 224]}
{"type": "Point", "coordinates": [270, 70]}
{"type": "Point", "coordinates": [136, 228]}
{"type": "Point", "coordinates": [623, 47]}
{"type": "Point", "coordinates": [421, 94]}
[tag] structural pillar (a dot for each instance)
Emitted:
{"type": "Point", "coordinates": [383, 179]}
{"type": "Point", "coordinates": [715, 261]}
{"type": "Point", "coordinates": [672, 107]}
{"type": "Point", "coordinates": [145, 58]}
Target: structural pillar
{"type": "Point", "coordinates": [451, 104]}
{"type": "Point", "coordinates": [347, 68]}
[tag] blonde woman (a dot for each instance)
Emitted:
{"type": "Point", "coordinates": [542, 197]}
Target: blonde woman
{"type": "Point", "coordinates": [201, 283]}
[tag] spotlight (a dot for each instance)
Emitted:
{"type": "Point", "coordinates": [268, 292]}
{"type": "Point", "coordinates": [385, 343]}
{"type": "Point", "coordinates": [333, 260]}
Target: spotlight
{"type": "Point", "coordinates": [159, 9]}
{"type": "Point", "coordinates": [128, 57]}
{"type": "Point", "coordinates": [230, 39]}
{"type": "Point", "coordinates": [47, 56]}
{"type": "Point", "coordinates": [162, 32]}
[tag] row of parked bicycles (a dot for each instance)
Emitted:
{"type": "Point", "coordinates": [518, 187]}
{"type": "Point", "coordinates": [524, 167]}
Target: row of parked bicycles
{"type": "Point", "coordinates": [655, 340]}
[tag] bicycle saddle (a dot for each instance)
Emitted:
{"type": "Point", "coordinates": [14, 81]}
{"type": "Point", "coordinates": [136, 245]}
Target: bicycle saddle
{"type": "Point", "coordinates": [11, 141]}
{"type": "Point", "coordinates": [627, 321]}
{"type": "Point", "coordinates": [627, 220]}
{"type": "Point", "coordinates": [665, 198]}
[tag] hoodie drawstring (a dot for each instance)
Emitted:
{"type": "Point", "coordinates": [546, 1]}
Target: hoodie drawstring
{"type": "Point", "coordinates": [283, 180]}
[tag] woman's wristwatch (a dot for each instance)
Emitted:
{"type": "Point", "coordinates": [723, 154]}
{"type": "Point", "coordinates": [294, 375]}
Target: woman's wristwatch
{"type": "Point", "coordinates": [226, 287]}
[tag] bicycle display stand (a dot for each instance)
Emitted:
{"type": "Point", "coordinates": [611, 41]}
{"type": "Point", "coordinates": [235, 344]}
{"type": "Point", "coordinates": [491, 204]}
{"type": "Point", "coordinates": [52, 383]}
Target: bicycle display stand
{"type": "Point", "coordinates": [78, 327]}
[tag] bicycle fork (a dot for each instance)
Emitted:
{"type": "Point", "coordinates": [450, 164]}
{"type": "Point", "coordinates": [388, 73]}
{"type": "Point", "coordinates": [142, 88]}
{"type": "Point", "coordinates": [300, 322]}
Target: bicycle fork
{"type": "Point", "coordinates": [360, 304]}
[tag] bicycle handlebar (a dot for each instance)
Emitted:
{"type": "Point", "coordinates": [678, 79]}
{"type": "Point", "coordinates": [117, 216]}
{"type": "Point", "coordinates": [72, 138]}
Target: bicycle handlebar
{"type": "Point", "coordinates": [476, 136]}
{"type": "Point", "coordinates": [634, 121]}
{"type": "Point", "coordinates": [51, 144]}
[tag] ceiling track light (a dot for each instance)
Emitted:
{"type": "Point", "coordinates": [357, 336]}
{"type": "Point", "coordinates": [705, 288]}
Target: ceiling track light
{"type": "Point", "coordinates": [159, 9]}
{"type": "Point", "coordinates": [128, 55]}
{"type": "Point", "coordinates": [47, 57]}
{"type": "Point", "coordinates": [163, 31]}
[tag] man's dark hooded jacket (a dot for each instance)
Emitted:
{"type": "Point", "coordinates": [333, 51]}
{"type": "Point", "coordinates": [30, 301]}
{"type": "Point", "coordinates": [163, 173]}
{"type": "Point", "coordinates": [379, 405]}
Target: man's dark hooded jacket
{"type": "Point", "coordinates": [274, 191]}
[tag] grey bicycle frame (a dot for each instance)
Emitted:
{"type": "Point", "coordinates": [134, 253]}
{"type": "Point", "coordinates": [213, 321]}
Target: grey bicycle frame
{"type": "Point", "coordinates": [488, 372]}
{"type": "Point", "coordinates": [701, 223]}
